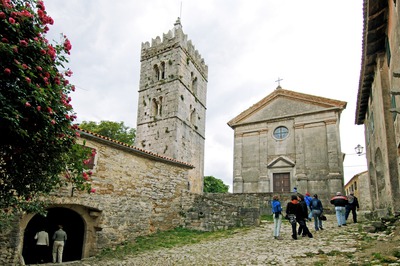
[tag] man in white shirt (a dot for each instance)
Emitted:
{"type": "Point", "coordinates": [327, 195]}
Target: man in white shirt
{"type": "Point", "coordinates": [42, 245]}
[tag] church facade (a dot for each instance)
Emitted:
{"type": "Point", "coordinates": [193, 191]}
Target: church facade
{"type": "Point", "coordinates": [287, 140]}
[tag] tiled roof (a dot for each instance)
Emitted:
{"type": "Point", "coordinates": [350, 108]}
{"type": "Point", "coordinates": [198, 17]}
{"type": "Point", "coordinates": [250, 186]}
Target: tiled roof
{"type": "Point", "coordinates": [374, 37]}
{"type": "Point", "coordinates": [133, 149]}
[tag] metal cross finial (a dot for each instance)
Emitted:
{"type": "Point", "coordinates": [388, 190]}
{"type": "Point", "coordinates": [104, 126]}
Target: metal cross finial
{"type": "Point", "coordinates": [279, 81]}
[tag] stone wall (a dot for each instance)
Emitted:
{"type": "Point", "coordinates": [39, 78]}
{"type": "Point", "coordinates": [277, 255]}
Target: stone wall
{"type": "Point", "coordinates": [137, 193]}
{"type": "Point", "coordinates": [211, 212]}
{"type": "Point", "coordinates": [9, 254]}
{"type": "Point", "coordinates": [262, 201]}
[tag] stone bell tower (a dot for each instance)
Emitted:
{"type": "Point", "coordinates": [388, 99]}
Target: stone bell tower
{"type": "Point", "coordinates": [172, 101]}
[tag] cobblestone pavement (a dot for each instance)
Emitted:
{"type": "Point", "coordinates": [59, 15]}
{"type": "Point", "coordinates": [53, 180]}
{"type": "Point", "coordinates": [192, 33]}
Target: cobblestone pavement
{"type": "Point", "coordinates": [253, 247]}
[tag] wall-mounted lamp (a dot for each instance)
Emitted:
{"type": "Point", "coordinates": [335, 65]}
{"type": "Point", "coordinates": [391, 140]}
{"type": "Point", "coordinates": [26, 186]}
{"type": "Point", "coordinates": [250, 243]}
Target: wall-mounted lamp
{"type": "Point", "coordinates": [359, 149]}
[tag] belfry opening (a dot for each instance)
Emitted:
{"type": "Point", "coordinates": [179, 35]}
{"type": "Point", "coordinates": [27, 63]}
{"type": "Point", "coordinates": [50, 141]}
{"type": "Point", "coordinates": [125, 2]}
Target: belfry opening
{"type": "Point", "coordinates": [73, 225]}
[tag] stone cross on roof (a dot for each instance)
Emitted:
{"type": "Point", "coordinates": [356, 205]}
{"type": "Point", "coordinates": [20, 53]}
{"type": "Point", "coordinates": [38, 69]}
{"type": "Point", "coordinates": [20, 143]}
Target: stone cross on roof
{"type": "Point", "coordinates": [279, 83]}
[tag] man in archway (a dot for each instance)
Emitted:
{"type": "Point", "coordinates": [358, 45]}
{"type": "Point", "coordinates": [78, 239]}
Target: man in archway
{"type": "Point", "coordinates": [42, 245]}
{"type": "Point", "coordinates": [59, 237]}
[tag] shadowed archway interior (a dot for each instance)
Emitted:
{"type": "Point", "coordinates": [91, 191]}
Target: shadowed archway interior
{"type": "Point", "coordinates": [73, 225]}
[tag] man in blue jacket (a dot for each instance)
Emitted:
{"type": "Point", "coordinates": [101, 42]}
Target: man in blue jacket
{"type": "Point", "coordinates": [307, 199]}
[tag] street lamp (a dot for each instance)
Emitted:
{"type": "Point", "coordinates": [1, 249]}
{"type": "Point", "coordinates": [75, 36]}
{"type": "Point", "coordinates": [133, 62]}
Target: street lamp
{"type": "Point", "coordinates": [359, 149]}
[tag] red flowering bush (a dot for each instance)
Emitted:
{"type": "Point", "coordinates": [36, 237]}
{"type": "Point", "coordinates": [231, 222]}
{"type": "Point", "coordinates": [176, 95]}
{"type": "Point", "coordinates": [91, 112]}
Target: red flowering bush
{"type": "Point", "coordinates": [36, 117]}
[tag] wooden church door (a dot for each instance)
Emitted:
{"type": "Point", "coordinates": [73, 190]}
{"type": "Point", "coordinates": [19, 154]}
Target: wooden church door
{"type": "Point", "coordinates": [281, 182]}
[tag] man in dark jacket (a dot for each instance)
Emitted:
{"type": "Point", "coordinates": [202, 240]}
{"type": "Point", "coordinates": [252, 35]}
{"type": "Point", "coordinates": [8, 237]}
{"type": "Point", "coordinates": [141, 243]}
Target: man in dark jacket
{"type": "Point", "coordinates": [293, 209]}
{"type": "Point", "coordinates": [340, 202]}
{"type": "Point", "coordinates": [352, 207]}
{"type": "Point", "coordinates": [303, 229]}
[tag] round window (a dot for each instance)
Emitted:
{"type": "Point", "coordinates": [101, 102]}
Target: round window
{"type": "Point", "coordinates": [281, 132]}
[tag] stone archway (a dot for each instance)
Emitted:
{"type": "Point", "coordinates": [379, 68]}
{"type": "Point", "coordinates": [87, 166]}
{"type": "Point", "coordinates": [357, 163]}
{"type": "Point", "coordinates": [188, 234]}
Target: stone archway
{"type": "Point", "coordinates": [73, 224]}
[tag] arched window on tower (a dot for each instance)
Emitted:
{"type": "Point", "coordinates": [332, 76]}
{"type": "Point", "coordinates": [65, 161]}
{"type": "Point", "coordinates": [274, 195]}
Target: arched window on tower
{"type": "Point", "coordinates": [193, 117]}
{"type": "Point", "coordinates": [194, 85]}
{"type": "Point", "coordinates": [156, 72]}
{"type": "Point", "coordinates": [162, 70]}
{"type": "Point", "coordinates": [160, 105]}
{"type": "Point", "coordinates": [191, 84]}
{"type": "Point", "coordinates": [156, 107]}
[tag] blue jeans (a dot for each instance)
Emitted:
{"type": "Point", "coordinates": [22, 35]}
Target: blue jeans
{"type": "Point", "coordinates": [277, 224]}
{"type": "Point", "coordinates": [317, 221]}
{"type": "Point", "coordinates": [310, 214]}
{"type": "Point", "coordinates": [340, 215]}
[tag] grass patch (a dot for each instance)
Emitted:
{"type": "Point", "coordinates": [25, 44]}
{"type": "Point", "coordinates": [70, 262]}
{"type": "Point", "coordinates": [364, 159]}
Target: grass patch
{"type": "Point", "coordinates": [165, 239]}
{"type": "Point", "coordinates": [396, 253]}
{"type": "Point", "coordinates": [267, 217]}
{"type": "Point", "coordinates": [367, 238]}
{"type": "Point", "coordinates": [333, 253]}
{"type": "Point", "coordinates": [383, 258]}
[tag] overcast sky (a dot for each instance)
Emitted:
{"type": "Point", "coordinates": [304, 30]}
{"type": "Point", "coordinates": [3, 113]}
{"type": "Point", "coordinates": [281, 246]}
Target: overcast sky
{"type": "Point", "coordinates": [313, 45]}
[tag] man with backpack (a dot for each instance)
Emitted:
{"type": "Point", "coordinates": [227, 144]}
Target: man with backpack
{"type": "Point", "coordinates": [352, 207]}
{"type": "Point", "coordinates": [316, 211]}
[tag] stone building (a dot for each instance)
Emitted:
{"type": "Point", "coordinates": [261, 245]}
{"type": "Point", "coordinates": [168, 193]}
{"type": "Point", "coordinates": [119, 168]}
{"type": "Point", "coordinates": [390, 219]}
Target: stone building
{"type": "Point", "coordinates": [137, 193]}
{"type": "Point", "coordinates": [287, 140]}
{"type": "Point", "coordinates": [378, 102]}
{"type": "Point", "coordinates": [172, 102]}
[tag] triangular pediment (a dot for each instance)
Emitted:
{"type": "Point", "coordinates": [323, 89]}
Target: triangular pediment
{"type": "Point", "coordinates": [284, 103]}
{"type": "Point", "coordinates": [280, 162]}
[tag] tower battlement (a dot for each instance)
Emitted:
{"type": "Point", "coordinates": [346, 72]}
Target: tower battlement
{"type": "Point", "coordinates": [172, 39]}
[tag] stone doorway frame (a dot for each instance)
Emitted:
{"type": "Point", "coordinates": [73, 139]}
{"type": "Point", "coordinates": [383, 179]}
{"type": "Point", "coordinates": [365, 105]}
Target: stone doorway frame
{"type": "Point", "coordinates": [90, 217]}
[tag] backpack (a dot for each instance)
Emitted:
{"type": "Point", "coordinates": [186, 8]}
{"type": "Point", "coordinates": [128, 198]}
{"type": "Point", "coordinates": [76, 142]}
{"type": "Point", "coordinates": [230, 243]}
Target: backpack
{"type": "Point", "coordinates": [314, 203]}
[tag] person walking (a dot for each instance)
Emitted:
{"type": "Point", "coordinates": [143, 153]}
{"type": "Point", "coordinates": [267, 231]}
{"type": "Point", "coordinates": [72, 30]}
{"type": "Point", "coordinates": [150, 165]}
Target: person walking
{"type": "Point", "coordinates": [303, 229]}
{"type": "Point", "coordinates": [59, 237]}
{"type": "Point", "coordinates": [352, 207]}
{"type": "Point", "coordinates": [42, 245]}
{"type": "Point", "coordinates": [340, 202]}
{"type": "Point", "coordinates": [307, 199]}
{"type": "Point", "coordinates": [277, 213]}
{"type": "Point", "coordinates": [316, 211]}
{"type": "Point", "coordinates": [293, 210]}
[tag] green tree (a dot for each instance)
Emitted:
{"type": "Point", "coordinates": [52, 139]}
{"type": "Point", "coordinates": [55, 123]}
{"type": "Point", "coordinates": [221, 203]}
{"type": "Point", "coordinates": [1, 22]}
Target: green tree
{"type": "Point", "coordinates": [114, 130]}
{"type": "Point", "coordinates": [36, 117]}
{"type": "Point", "coordinates": [214, 185]}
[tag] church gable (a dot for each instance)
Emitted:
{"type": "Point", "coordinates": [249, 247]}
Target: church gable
{"type": "Point", "coordinates": [284, 103]}
{"type": "Point", "coordinates": [281, 162]}
{"type": "Point", "coordinates": [282, 107]}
